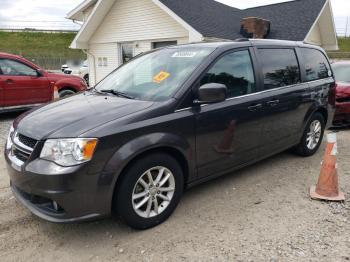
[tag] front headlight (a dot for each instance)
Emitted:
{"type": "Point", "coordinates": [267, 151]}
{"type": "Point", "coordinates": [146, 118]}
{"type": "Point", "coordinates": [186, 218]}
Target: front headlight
{"type": "Point", "coordinates": [69, 152]}
{"type": "Point", "coordinates": [9, 138]}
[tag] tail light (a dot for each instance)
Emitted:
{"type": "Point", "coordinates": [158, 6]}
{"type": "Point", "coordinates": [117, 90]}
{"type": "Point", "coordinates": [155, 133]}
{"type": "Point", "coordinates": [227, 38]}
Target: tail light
{"type": "Point", "coordinates": [332, 94]}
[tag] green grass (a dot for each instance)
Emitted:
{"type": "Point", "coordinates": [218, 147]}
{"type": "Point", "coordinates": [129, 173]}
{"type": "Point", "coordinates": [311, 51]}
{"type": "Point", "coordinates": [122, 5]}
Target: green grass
{"type": "Point", "coordinates": [344, 44]}
{"type": "Point", "coordinates": [344, 49]}
{"type": "Point", "coordinates": [35, 45]}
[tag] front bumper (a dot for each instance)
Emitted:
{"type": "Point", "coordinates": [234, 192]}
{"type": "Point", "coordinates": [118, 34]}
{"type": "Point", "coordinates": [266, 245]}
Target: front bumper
{"type": "Point", "coordinates": [58, 194]}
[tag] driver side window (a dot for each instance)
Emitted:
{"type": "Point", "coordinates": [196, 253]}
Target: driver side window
{"type": "Point", "coordinates": [14, 68]}
{"type": "Point", "coordinates": [235, 70]}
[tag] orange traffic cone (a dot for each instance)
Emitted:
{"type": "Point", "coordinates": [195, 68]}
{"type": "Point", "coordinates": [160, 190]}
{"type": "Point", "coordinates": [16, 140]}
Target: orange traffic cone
{"type": "Point", "coordinates": [327, 187]}
{"type": "Point", "coordinates": [56, 95]}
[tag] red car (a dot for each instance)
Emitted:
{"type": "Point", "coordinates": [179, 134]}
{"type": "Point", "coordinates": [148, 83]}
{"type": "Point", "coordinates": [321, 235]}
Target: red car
{"type": "Point", "coordinates": [24, 84]}
{"type": "Point", "coordinates": [342, 76]}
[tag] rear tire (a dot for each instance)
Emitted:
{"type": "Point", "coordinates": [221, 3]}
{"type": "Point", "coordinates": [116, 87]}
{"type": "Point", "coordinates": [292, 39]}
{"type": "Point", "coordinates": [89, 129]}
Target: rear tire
{"type": "Point", "coordinates": [149, 191]}
{"type": "Point", "coordinates": [312, 137]}
{"type": "Point", "coordinates": [66, 92]}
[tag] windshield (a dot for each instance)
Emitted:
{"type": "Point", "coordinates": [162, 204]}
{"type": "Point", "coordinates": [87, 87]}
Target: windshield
{"type": "Point", "coordinates": [341, 72]}
{"type": "Point", "coordinates": [155, 76]}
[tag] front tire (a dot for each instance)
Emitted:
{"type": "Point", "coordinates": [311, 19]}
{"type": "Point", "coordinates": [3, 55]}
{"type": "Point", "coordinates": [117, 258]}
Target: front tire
{"type": "Point", "coordinates": [149, 191]}
{"type": "Point", "coordinates": [312, 137]}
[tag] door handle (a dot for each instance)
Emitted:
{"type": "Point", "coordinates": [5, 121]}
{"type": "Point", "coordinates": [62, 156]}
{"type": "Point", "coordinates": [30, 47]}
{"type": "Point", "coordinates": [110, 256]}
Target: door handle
{"type": "Point", "coordinates": [254, 108]}
{"type": "Point", "coordinates": [273, 103]}
{"type": "Point", "coordinates": [9, 81]}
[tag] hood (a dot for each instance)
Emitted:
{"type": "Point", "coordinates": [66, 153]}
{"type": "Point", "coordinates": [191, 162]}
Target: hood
{"type": "Point", "coordinates": [75, 115]}
{"type": "Point", "coordinates": [343, 89]}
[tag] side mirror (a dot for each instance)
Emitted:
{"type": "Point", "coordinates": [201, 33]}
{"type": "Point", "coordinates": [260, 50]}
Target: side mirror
{"type": "Point", "coordinates": [40, 72]}
{"type": "Point", "coordinates": [211, 93]}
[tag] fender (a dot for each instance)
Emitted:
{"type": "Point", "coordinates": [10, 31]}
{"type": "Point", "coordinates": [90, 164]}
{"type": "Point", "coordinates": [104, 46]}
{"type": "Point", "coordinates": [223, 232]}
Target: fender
{"type": "Point", "coordinates": [67, 82]}
{"type": "Point", "coordinates": [136, 147]}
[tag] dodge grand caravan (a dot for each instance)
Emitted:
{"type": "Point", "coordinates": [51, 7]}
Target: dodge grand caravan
{"type": "Point", "coordinates": [168, 119]}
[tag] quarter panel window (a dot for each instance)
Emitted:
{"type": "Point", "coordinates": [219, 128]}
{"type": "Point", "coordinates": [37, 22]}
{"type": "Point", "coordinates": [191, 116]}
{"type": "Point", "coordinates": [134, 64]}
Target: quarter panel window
{"type": "Point", "coordinates": [316, 64]}
{"type": "Point", "coordinates": [14, 68]}
{"type": "Point", "coordinates": [280, 67]}
{"type": "Point", "coordinates": [235, 70]}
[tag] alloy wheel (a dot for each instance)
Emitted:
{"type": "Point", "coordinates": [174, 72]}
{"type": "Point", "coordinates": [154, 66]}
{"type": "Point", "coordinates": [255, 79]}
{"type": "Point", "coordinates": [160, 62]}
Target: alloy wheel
{"type": "Point", "coordinates": [314, 135]}
{"type": "Point", "coordinates": [153, 192]}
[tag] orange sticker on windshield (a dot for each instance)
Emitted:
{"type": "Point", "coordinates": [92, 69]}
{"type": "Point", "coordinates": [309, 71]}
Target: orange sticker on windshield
{"type": "Point", "coordinates": [160, 77]}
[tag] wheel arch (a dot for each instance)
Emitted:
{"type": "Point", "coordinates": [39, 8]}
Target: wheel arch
{"type": "Point", "coordinates": [153, 143]}
{"type": "Point", "coordinates": [323, 112]}
{"type": "Point", "coordinates": [316, 109]}
{"type": "Point", "coordinates": [67, 84]}
{"type": "Point", "coordinates": [70, 88]}
{"type": "Point", "coordinates": [175, 153]}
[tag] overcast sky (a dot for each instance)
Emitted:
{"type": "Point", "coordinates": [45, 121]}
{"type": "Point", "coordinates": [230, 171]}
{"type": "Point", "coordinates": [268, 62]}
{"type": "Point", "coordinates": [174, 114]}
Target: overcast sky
{"type": "Point", "coordinates": [49, 14]}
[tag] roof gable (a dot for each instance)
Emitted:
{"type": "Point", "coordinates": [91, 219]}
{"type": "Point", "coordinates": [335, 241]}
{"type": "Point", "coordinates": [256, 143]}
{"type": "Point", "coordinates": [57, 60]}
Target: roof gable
{"type": "Point", "coordinates": [77, 12]}
{"type": "Point", "coordinates": [289, 20]}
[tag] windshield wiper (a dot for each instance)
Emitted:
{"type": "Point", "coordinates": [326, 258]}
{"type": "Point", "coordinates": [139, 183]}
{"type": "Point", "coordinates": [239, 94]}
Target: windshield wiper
{"type": "Point", "coordinates": [117, 93]}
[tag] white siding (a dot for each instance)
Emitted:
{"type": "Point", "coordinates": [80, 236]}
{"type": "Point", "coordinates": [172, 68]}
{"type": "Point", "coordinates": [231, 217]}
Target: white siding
{"type": "Point", "coordinates": [101, 51]}
{"type": "Point", "coordinates": [144, 46]}
{"type": "Point", "coordinates": [315, 36]}
{"type": "Point", "coordinates": [130, 20]}
{"type": "Point", "coordinates": [139, 22]}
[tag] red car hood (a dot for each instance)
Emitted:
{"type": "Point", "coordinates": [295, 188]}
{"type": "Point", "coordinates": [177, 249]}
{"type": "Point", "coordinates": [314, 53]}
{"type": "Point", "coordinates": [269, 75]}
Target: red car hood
{"type": "Point", "coordinates": [55, 77]}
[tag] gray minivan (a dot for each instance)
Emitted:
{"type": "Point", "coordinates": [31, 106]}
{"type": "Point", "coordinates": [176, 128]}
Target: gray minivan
{"type": "Point", "coordinates": [167, 120]}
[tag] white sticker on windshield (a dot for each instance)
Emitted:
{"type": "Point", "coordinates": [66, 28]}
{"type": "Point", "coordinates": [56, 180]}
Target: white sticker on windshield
{"type": "Point", "coordinates": [185, 54]}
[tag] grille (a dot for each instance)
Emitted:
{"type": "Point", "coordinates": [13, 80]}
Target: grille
{"type": "Point", "coordinates": [21, 155]}
{"type": "Point", "coordinates": [30, 142]}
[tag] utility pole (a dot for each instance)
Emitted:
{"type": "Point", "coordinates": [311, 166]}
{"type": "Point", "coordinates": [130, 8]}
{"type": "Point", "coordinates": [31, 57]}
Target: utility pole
{"type": "Point", "coordinates": [346, 27]}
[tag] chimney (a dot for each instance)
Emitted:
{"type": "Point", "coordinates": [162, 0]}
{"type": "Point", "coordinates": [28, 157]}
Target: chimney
{"type": "Point", "coordinates": [255, 27]}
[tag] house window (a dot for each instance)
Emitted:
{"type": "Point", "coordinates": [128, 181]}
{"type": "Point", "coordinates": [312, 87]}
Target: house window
{"type": "Point", "coordinates": [127, 51]}
{"type": "Point", "coordinates": [102, 62]}
{"type": "Point", "coordinates": [163, 44]}
{"type": "Point", "coordinates": [105, 61]}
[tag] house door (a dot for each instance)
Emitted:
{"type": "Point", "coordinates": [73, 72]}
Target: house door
{"type": "Point", "coordinates": [127, 52]}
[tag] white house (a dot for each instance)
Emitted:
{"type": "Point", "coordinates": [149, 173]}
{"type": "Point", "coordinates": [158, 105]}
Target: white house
{"type": "Point", "coordinates": [113, 31]}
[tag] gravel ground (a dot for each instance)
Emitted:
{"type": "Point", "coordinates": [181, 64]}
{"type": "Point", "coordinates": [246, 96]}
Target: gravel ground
{"type": "Point", "coordinates": [260, 213]}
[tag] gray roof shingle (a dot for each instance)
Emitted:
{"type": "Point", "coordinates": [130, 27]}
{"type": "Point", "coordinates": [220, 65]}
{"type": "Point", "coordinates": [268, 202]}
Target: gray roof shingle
{"type": "Point", "coordinates": [289, 20]}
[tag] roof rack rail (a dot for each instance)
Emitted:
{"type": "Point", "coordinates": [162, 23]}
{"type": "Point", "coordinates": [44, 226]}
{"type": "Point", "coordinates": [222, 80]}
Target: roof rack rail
{"type": "Point", "coordinates": [242, 40]}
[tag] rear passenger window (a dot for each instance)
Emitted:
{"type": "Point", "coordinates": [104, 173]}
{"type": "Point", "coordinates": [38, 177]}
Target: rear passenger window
{"type": "Point", "coordinates": [280, 67]}
{"type": "Point", "coordinates": [235, 70]}
{"type": "Point", "coordinates": [316, 64]}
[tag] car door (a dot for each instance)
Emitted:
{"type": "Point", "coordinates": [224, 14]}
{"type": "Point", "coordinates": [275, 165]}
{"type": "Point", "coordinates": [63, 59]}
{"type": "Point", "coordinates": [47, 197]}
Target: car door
{"type": "Point", "coordinates": [22, 84]}
{"type": "Point", "coordinates": [286, 100]}
{"type": "Point", "coordinates": [228, 134]}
